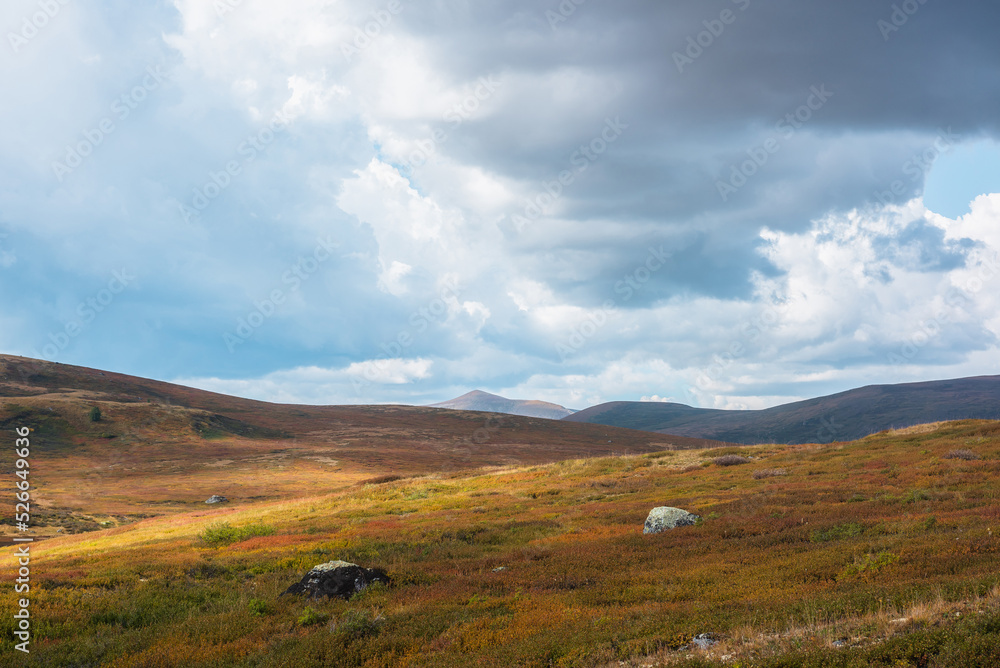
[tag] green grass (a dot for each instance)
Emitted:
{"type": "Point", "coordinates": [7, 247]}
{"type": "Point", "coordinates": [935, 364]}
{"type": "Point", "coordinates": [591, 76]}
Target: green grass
{"type": "Point", "coordinates": [547, 566]}
{"type": "Point", "coordinates": [226, 534]}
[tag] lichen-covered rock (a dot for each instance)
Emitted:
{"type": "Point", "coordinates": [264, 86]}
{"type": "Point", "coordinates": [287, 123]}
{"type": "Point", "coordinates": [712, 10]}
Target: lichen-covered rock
{"type": "Point", "coordinates": [215, 498]}
{"type": "Point", "coordinates": [665, 518]}
{"type": "Point", "coordinates": [340, 579]}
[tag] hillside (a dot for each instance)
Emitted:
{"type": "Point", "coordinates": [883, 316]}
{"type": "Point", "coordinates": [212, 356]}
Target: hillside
{"type": "Point", "coordinates": [161, 448]}
{"type": "Point", "coordinates": [478, 400]}
{"type": "Point", "coordinates": [880, 552]}
{"type": "Point", "coordinates": [839, 417]}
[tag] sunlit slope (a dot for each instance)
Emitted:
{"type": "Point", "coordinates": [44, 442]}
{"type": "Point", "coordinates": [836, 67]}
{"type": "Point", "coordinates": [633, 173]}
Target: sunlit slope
{"type": "Point", "coordinates": [159, 447]}
{"type": "Point", "coordinates": [875, 545]}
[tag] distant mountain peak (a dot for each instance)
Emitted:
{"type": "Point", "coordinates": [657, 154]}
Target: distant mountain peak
{"type": "Point", "coordinates": [478, 400]}
{"type": "Point", "coordinates": [477, 394]}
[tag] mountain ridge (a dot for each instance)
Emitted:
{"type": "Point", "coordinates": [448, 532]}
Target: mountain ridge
{"type": "Point", "coordinates": [843, 416]}
{"type": "Point", "coordinates": [478, 400]}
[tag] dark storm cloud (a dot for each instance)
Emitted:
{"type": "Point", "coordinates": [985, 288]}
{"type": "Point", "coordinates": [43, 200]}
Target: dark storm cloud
{"type": "Point", "coordinates": [685, 127]}
{"type": "Point", "coordinates": [847, 92]}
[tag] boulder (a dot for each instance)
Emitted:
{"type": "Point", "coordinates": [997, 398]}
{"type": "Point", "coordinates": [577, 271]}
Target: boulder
{"type": "Point", "coordinates": [701, 641]}
{"type": "Point", "coordinates": [215, 498]}
{"type": "Point", "coordinates": [665, 518]}
{"type": "Point", "coordinates": [340, 579]}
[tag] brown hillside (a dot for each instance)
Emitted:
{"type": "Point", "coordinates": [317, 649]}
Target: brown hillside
{"type": "Point", "coordinates": [173, 446]}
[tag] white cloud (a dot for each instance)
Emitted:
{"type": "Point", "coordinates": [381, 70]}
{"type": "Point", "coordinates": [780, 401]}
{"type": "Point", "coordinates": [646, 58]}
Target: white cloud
{"type": "Point", "coordinates": [391, 371]}
{"type": "Point", "coordinates": [319, 385]}
{"type": "Point", "coordinates": [832, 296]}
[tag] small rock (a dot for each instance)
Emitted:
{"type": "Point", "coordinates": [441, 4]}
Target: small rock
{"type": "Point", "coordinates": [499, 568]}
{"type": "Point", "coordinates": [340, 579]}
{"type": "Point", "coordinates": [215, 498]}
{"type": "Point", "coordinates": [842, 642]}
{"type": "Point", "coordinates": [665, 518]}
{"type": "Point", "coordinates": [704, 640]}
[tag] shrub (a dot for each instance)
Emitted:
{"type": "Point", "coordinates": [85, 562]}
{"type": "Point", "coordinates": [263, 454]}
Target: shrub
{"type": "Point", "coordinates": [309, 617]}
{"type": "Point", "coordinates": [661, 454]}
{"type": "Point", "coordinates": [967, 455]}
{"type": "Point", "coordinates": [357, 624]}
{"type": "Point", "coordinates": [838, 532]}
{"type": "Point", "coordinates": [259, 608]}
{"type": "Point", "coordinates": [225, 533]}
{"type": "Point", "coordinates": [730, 460]}
{"type": "Point", "coordinates": [871, 563]}
{"type": "Point", "coordinates": [95, 414]}
{"type": "Point", "coordinates": [381, 480]}
{"type": "Point", "coordinates": [768, 473]}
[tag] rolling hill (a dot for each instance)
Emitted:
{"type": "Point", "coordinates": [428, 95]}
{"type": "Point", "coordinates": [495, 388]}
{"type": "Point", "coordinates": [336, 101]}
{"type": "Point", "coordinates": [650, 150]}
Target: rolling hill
{"type": "Point", "coordinates": [509, 541]}
{"type": "Point", "coordinates": [839, 417]}
{"type": "Point", "coordinates": [161, 448]}
{"type": "Point", "coordinates": [477, 400]}
{"type": "Point", "coordinates": [878, 553]}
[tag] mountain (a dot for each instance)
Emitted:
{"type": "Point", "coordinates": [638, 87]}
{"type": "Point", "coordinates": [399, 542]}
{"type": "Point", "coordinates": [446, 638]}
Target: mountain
{"type": "Point", "coordinates": [478, 400]}
{"type": "Point", "coordinates": [168, 447]}
{"type": "Point", "coordinates": [839, 417]}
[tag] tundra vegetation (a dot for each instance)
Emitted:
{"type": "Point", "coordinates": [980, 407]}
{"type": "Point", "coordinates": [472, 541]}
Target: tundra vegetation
{"type": "Point", "coordinates": [878, 552]}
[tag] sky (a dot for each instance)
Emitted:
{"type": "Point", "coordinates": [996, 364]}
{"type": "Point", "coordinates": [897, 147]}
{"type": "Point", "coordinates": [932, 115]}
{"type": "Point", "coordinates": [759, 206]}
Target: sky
{"type": "Point", "coordinates": [724, 203]}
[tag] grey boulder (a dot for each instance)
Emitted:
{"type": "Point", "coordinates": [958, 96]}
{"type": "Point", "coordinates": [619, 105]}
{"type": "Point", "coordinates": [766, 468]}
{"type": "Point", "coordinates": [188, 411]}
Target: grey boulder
{"type": "Point", "coordinates": [215, 498]}
{"type": "Point", "coordinates": [665, 518]}
{"type": "Point", "coordinates": [337, 579]}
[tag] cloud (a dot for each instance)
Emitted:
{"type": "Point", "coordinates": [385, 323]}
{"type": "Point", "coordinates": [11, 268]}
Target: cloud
{"type": "Point", "coordinates": [391, 371]}
{"type": "Point", "coordinates": [415, 145]}
{"type": "Point", "coordinates": [318, 385]}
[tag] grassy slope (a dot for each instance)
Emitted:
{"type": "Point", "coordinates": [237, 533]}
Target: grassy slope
{"type": "Point", "coordinates": [162, 448]}
{"type": "Point", "coordinates": [855, 536]}
{"type": "Point", "coordinates": [843, 416]}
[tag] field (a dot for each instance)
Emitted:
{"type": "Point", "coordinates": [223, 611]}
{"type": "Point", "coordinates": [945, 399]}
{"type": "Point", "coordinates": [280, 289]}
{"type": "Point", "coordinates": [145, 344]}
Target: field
{"type": "Point", "coordinates": [877, 552]}
{"type": "Point", "coordinates": [160, 448]}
